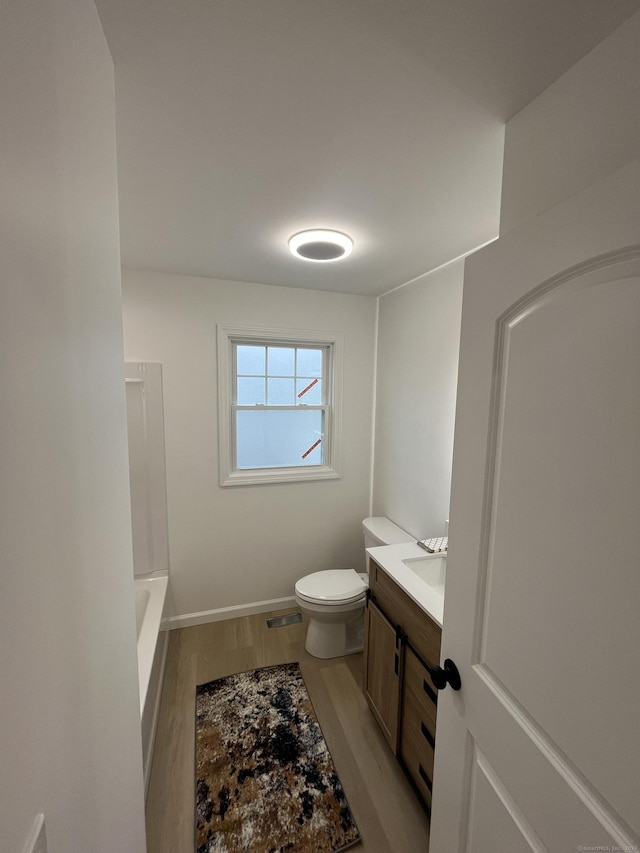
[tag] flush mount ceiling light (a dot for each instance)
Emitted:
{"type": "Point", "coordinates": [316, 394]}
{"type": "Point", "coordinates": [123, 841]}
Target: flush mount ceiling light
{"type": "Point", "coordinates": [320, 246]}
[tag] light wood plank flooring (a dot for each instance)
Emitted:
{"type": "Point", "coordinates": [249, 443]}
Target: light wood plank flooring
{"type": "Point", "coordinates": [387, 812]}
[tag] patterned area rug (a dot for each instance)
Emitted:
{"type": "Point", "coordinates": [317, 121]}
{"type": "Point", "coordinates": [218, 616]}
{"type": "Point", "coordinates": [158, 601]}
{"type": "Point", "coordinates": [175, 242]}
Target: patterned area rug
{"type": "Point", "coordinates": [265, 781]}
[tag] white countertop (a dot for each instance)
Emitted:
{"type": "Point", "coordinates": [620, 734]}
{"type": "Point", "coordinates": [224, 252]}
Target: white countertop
{"type": "Point", "coordinates": [390, 559]}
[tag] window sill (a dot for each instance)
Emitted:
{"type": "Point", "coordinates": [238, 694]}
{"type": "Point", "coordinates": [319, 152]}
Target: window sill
{"type": "Point", "coordinates": [279, 475]}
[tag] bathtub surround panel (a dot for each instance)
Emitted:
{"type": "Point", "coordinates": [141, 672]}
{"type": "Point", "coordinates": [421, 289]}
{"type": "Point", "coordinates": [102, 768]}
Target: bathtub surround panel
{"type": "Point", "coordinates": [248, 545]}
{"type": "Point", "coordinates": [418, 339]}
{"type": "Point", "coordinates": [147, 474]}
{"type": "Point", "coordinates": [69, 714]}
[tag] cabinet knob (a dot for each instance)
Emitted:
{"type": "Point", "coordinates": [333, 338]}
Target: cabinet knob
{"type": "Point", "coordinates": [449, 675]}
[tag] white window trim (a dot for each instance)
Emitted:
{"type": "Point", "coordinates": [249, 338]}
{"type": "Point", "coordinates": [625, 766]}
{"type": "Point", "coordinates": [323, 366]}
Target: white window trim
{"type": "Point", "coordinates": [227, 335]}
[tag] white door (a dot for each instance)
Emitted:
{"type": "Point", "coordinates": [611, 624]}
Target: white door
{"type": "Point", "coordinates": [540, 749]}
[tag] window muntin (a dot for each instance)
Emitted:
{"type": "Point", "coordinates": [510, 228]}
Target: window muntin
{"type": "Point", "coordinates": [278, 375]}
{"type": "Point", "coordinates": [279, 405]}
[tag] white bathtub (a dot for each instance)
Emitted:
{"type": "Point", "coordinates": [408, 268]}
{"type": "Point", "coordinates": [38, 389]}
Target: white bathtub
{"type": "Point", "coordinates": [150, 593]}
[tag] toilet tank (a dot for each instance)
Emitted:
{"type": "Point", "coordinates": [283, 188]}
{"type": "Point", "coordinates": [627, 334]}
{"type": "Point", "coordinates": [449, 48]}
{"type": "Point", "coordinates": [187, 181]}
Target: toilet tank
{"type": "Point", "coordinates": [381, 531]}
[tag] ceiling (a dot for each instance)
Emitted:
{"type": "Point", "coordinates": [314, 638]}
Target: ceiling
{"type": "Point", "coordinates": [241, 122]}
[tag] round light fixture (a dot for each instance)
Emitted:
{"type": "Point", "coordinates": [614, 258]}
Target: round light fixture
{"type": "Point", "coordinates": [320, 245]}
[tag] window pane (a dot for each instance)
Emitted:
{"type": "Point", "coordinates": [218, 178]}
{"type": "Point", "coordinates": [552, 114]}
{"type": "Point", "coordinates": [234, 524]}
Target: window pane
{"type": "Point", "coordinates": [281, 361]}
{"type": "Point", "coordinates": [275, 438]}
{"type": "Point", "coordinates": [309, 391]}
{"type": "Point", "coordinates": [250, 360]}
{"type": "Point", "coordinates": [309, 362]}
{"type": "Point", "coordinates": [280, 392]}
{"type": "Point", "coordinates": [251, 391]}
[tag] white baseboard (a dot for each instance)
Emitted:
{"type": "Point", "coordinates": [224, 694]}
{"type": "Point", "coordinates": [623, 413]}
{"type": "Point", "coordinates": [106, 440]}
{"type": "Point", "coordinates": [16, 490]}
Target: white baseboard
{"type": "Point", "coordinates": [186, 620]}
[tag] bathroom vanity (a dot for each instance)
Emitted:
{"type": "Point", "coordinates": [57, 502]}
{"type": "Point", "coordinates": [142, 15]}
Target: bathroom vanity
{"type": "Point", "coordinates": [403, 623]}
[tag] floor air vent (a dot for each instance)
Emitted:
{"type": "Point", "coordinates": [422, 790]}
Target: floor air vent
{"type": "Point", "coordinates": [280, 621]}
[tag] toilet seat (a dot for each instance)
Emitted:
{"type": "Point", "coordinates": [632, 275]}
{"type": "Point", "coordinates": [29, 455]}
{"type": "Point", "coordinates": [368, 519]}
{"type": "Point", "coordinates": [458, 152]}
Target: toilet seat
{"type": "Point", "coordinates": [332, 587]}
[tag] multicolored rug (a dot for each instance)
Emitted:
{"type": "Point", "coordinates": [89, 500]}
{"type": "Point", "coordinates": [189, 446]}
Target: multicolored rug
{"type": "Point", "coordinates": [265, 781]}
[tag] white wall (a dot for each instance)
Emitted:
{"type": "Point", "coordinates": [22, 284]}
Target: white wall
{"type": "Point", "coordinates": [69, 718]}
{"type": "Point", "coordinates": [245, 544]}
{"type": "Point", "coordinates": [418, 338]}
{"type": "Point", "coordinates": [583, 127]}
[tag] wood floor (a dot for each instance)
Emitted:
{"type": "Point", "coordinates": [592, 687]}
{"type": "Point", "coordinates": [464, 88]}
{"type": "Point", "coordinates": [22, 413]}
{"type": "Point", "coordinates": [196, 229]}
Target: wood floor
{"type": "Point", "coordinates": [385, 808]}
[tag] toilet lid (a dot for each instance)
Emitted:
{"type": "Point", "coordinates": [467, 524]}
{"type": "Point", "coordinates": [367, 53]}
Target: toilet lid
{"type": "Point", "coordinates": [332, 585]}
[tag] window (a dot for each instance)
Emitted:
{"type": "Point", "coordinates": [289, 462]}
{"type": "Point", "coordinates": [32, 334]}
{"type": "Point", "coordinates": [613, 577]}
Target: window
{"type": "Point", "coordinates": [278, 399]}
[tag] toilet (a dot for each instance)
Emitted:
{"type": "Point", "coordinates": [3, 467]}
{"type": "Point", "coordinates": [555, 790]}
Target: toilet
{"type": "Point", "coordinates": [334, 600]}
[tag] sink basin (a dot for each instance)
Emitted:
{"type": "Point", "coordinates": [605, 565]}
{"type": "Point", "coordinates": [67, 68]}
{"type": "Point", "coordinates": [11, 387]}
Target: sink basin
{"type": "Point", "coordinates": [431, 570]}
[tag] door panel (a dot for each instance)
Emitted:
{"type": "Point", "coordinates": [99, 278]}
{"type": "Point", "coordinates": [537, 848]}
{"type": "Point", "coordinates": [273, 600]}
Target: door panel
{"type": "Point", "coordinates": [562, 807]}
{"type": "Point", "coordinates": [496, 822]}
{"type": "Point", "coordinates": [543, 570]}
{"type": "Point", "coordinates": [561, 569]}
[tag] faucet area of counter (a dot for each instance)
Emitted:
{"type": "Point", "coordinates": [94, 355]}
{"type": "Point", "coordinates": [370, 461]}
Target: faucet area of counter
{"type": "Point", "coordinates": [396, 561]}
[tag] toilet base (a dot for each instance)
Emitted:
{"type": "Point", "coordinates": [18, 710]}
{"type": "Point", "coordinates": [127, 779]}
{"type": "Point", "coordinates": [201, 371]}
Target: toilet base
{"type": "Point", "coordinates": [335, 639]}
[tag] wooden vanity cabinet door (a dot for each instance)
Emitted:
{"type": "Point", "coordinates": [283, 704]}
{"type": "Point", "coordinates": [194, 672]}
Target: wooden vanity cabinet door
{"type": "Point", "coordinates": [421, 631]}
{"type": "Point", "coordinates": [383, 672]}
{"type": "Point", "coordinates": [416, 724]}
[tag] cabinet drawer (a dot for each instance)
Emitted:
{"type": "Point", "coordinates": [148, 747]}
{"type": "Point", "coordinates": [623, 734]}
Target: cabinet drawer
{"type": "Point", "coordinates": [423, 633]}
{"type": "Point", "coordinates": [418, 682]}
{"type": "Point", "coordinates": [416, 745]}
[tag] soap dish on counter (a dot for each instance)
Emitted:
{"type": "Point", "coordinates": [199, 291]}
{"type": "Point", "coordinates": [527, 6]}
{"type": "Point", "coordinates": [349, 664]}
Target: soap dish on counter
{"type": "Point", "coordinates": [436, 545]}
